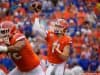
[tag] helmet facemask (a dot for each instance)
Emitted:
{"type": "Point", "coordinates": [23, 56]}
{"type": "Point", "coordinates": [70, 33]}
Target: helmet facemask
{"type": "Point", "coordinates": [4, 34]}
{"type": "Point", "coordinates": [60, 26]}
{"type": "Point", "coordinates": [58, 30]}
{"type": "Point", "coordinates": [7, 29]}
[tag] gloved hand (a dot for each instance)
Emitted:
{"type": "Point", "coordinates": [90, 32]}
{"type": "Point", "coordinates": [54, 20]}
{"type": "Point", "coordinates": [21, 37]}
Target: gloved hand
{"type": "Point", "coordinates": [3, 49]}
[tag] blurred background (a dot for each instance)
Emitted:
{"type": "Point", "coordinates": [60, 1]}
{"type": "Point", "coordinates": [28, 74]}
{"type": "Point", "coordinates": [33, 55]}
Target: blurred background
{"type": "Point", "coordinates": [83, 18]}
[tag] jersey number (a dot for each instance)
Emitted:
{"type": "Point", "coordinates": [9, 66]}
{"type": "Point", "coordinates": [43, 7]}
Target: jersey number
{"type": "Point", "coordinates": [55, 45]}
{"type": "Point", "coordinates": [15, 56]}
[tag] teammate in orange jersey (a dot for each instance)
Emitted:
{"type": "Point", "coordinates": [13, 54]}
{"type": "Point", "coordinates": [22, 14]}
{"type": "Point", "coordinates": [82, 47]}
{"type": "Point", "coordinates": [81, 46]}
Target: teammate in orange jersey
{"type": "Point", "coordinates": [58, 46]}
{"type": "Point", "coordinates": [20, 50]}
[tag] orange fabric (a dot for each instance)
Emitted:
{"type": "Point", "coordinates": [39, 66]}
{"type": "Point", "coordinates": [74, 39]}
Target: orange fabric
{"type": "Point", "coordinates": [8, 18]}
{"type": "Point", "coordinates": [44, 57]}
{"type": "Point", "coordinates": [92, 1]}
{"type": "Point", "coordinates": [78, 50]}
{"type": "Point", "coordinates": [4, 69]}
{"type": "Point", "coordinates": [97, 34]}
{"type": "Point", "coordinates": [58, 14]}
{"type": "Point", "coordinates": [67, 15]}
{"type": "Point", "coordinates": [29, 60]}
{"type": "Point", "coordinates": [24, 1]}
{"type": "Point", "coordinates": [97, 9]}
{"type": "Point", "coordinates": [21, 11]}
{"type": "Point", "coordinates": [5, 5]}
{"type": "Point", "coordinates": [0, 19]}
{"type": "Point", "coordinates": [81, 17]}
{"type": "Point", "coordinates": [53, 57]}
{"type": "Point", "coordinates": [2, 55]}
{"type": "Point", "coordinates": [99, 50]}
{"type": "Point", "coordinates": [77, 43]}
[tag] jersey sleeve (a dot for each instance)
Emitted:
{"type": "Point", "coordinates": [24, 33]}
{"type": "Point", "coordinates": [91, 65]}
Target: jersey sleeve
{"type": "Point", "coordinates": [18, 37]}
{"type": "Point", "coordinates": [68, 40]}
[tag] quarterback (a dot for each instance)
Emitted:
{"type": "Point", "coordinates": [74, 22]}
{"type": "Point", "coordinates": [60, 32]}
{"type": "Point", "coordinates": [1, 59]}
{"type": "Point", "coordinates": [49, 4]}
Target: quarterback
{"type": "Point", "coordinates": [58, 45]}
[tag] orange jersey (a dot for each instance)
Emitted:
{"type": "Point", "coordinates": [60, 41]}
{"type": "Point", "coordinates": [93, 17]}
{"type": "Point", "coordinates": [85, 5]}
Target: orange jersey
{"type": "Point", "coordinates": [25, 59]}
{"type": "Point", "coordinates": [53, 56]}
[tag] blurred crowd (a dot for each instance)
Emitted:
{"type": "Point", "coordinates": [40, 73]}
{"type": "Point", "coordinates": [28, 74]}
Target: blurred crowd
{"type": "Point", "coordinates": [83, 18]}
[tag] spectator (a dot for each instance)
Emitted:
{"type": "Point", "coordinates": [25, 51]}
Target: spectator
{"type": "Point", "coordinates": [81, 16]}
{"type": "Point", "coordinates": [91, 16]}
{"type": "Point", "coordinates": [7, 62]}
{"type": "Point", "coordinates": [58, 13]}
{"type": "Point", "coordinates": [97, 10]}
{"type": "Point", "coordinates": [84, 62]}
{"type": "Point", "coordinates": [77, 70]}
{"type": "Point", "coordinates": [72, 28]}
{"type": "Point", "coordinates": [94, 64]}
{"type": "Point", "coordinates": [60, 4]}
{"type": "Point", "coordinates": [73, 58]}
{"type": "Point", "coordinates": [69, 12]}
{"type": "Point", "coordinates": [77, 43]}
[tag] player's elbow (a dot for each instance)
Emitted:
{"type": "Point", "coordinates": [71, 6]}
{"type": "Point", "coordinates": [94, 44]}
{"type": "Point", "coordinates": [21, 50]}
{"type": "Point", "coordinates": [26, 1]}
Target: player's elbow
{"type": "Point", "coordinates": [65, 57]}
{"type": "Point", "coordinates": [19, 45]}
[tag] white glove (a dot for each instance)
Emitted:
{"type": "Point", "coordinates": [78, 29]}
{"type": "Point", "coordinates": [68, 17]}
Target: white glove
{"type": "Point", "coordinates": [3, 49]}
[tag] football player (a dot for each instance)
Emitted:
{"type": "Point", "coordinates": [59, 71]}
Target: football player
{"type": "Point", "coordinates": [20, 50]}
{"type": "Point", "coordinates": [58, 45]}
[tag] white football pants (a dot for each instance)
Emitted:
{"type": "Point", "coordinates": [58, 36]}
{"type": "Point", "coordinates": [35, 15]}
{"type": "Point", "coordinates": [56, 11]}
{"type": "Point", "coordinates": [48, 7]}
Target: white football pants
{"type": "Point", "coordinates": [56, 69]}
{"type": "Point", "coordinates": [37, 71]}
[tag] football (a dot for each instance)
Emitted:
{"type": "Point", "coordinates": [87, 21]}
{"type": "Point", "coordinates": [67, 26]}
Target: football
{"type": "Point", "coordinates": [36, 6]}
